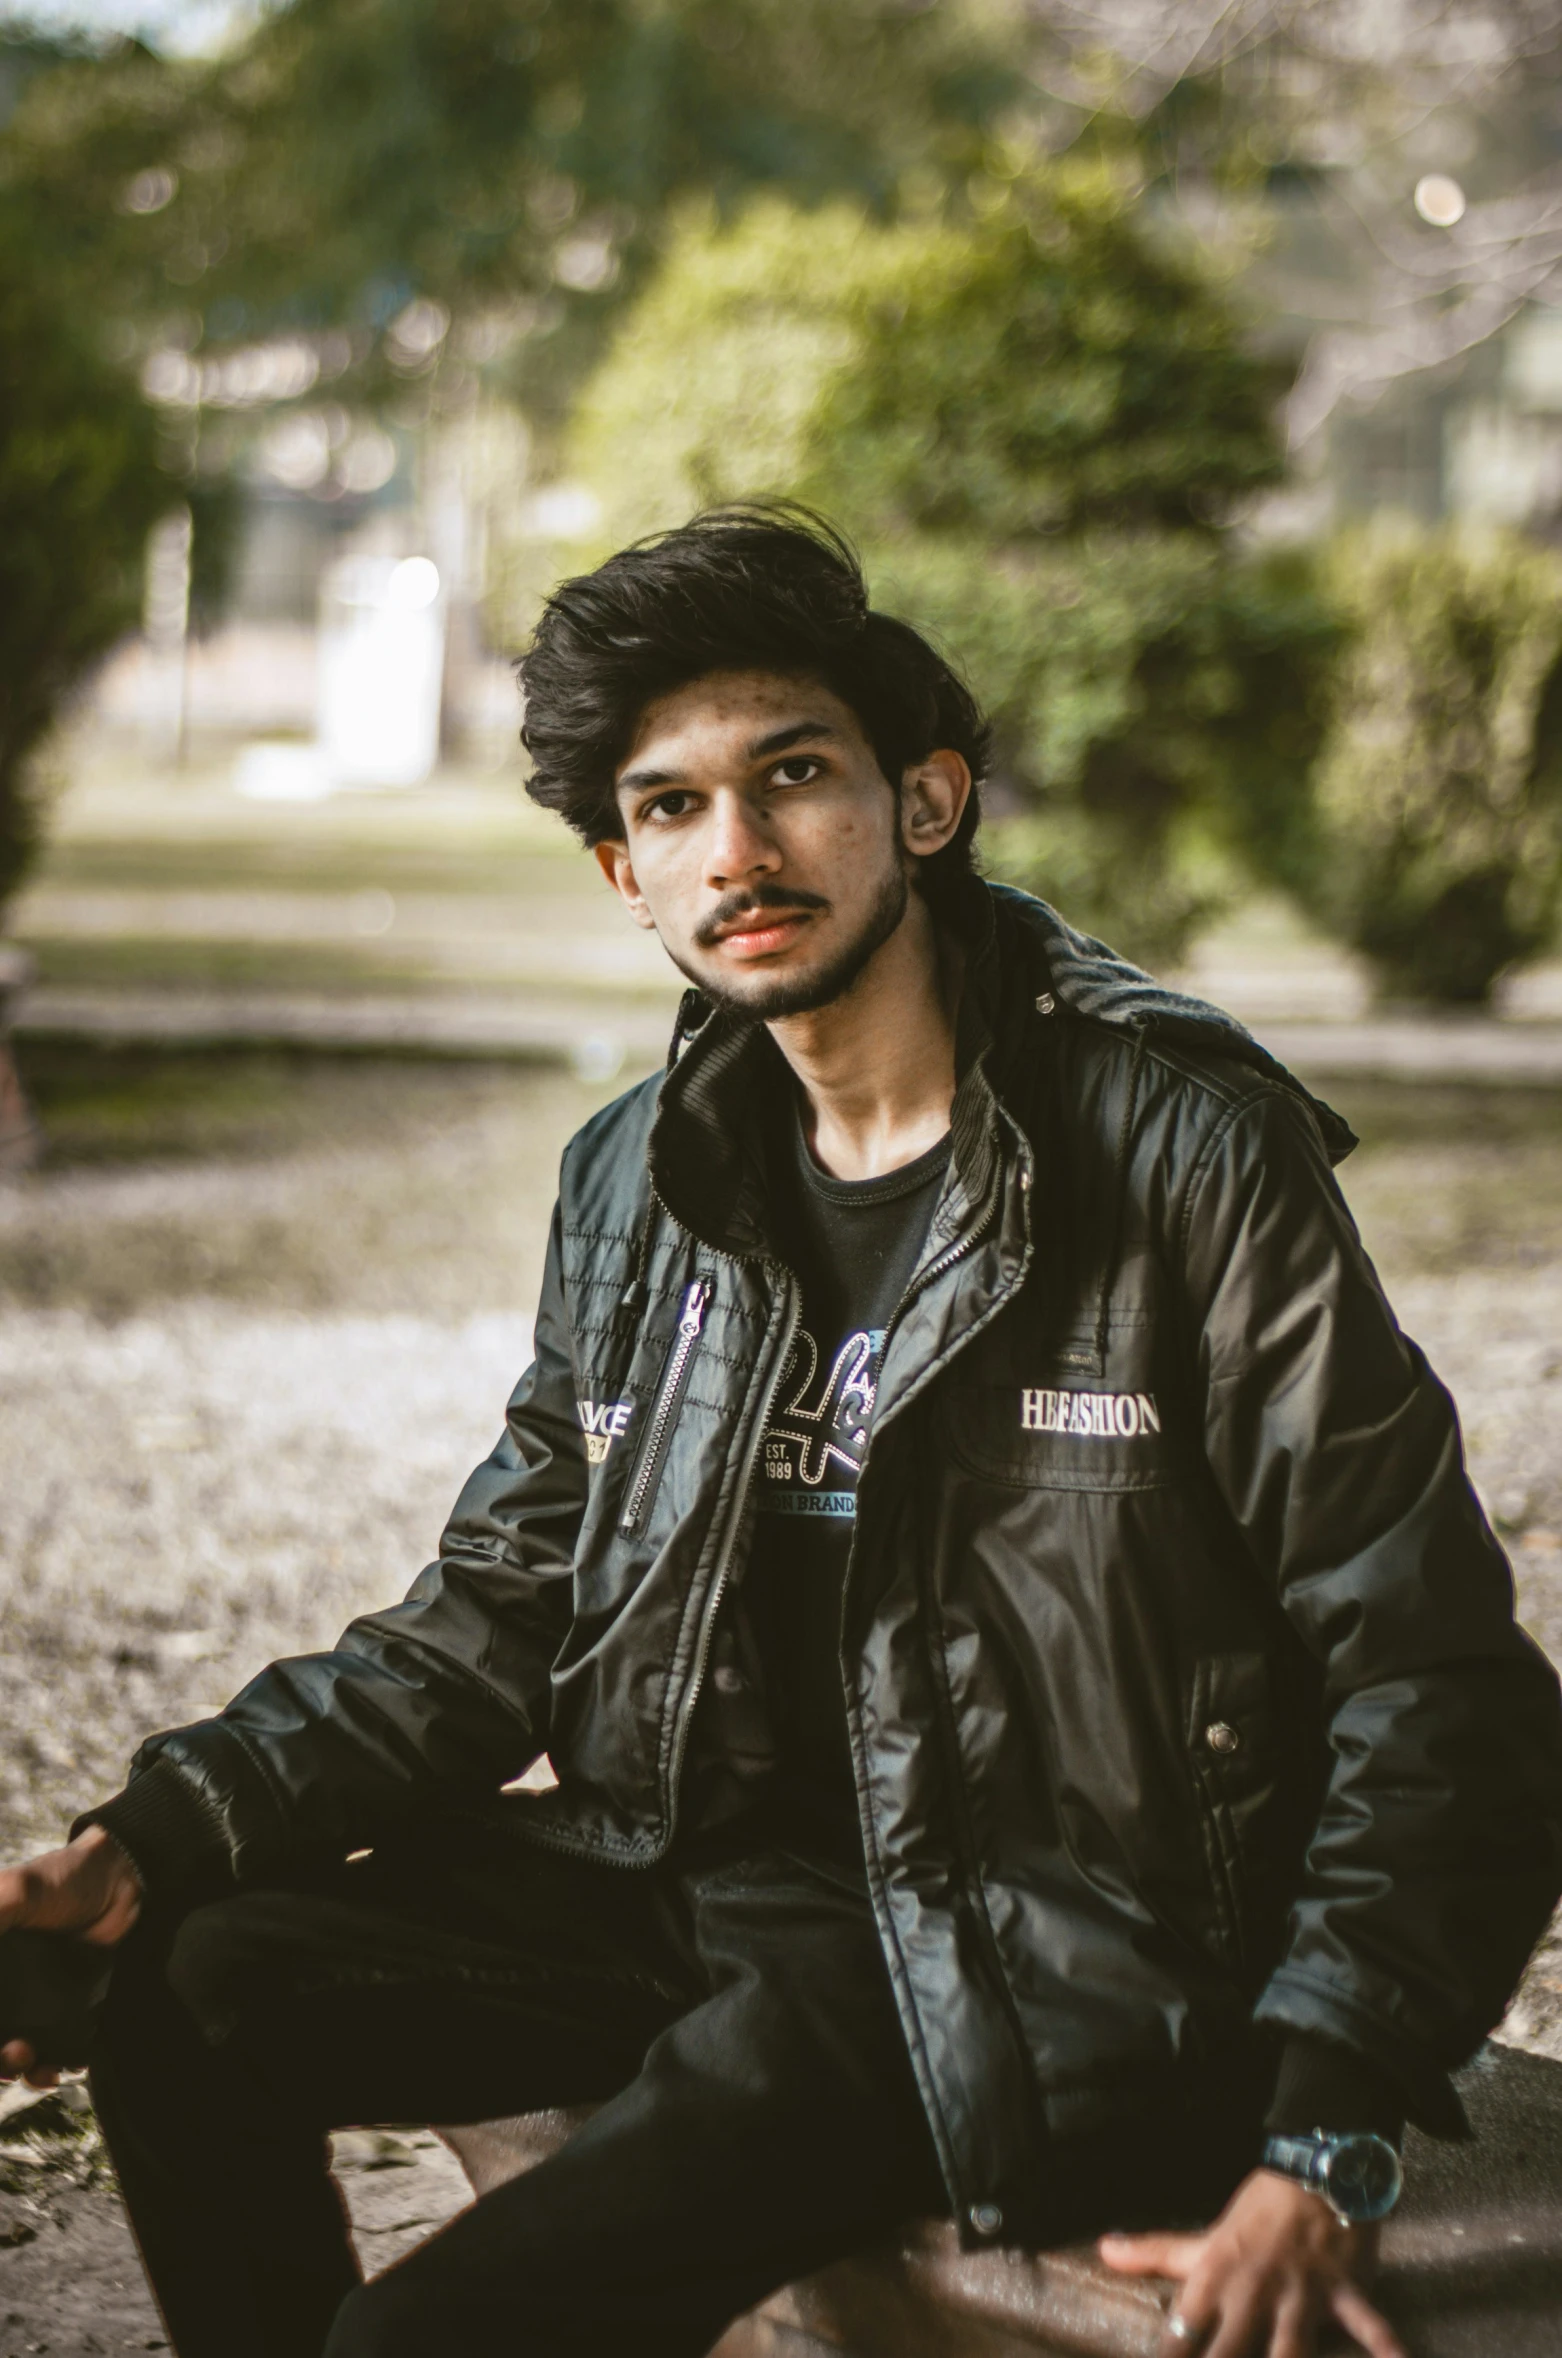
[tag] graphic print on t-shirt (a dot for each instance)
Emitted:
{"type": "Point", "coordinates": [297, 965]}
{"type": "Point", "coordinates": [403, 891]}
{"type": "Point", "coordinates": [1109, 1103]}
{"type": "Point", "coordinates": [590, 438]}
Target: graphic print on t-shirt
{"type": "Point", "coordinates": [817, 1436]}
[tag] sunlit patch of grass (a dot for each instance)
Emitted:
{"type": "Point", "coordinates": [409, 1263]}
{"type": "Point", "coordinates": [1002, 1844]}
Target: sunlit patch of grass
{"type": "Point", "coordinates": [1447, 1179]}
{"type": "Point", "coordinates": [292, 865]}
{"type": "Point", "coordinates": [1412, 1113]}
{"type": "Point", "coordinates": [164, 961]}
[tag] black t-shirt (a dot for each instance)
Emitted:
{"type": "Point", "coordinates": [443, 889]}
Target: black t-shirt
{"type": "Point", "coordinates": [853, 1245]}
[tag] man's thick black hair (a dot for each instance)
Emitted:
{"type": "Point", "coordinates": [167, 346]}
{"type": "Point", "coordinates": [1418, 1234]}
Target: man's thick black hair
{"type": "Point", "coordinates": [770, 587]}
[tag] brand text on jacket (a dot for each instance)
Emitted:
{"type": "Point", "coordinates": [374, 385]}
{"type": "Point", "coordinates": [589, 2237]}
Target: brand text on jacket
{"type": "Point", "coordinates": [1096, 1416]}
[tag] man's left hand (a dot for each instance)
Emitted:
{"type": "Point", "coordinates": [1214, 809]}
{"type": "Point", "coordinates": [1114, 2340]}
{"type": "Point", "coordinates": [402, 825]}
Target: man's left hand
{"type": "Point", "coordinates": [1276, 2265]}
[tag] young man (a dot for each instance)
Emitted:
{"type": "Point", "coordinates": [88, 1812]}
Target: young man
{"type": "Point", "coordinates": [1040, 1726]}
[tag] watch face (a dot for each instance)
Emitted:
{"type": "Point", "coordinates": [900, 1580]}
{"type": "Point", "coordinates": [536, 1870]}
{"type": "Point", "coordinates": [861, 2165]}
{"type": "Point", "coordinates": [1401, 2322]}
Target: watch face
{"type": "Point", "coordinates": [1363, 2178]}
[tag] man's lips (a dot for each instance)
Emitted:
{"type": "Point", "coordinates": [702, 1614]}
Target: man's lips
{"type": "Point", "coordinates": [761, 932]}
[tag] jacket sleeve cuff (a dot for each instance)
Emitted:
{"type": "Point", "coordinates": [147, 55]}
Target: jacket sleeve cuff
{"type": "Point", "coordinates": [163, 1827]}
{"type": "Point", "coordinates": [1323, 2084]}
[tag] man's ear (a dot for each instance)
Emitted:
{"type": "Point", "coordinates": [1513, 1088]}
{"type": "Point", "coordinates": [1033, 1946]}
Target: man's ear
{"type": "Point", "coordinates": [933, 796]}
{"type": "Point", "coordinates": [613, 860]}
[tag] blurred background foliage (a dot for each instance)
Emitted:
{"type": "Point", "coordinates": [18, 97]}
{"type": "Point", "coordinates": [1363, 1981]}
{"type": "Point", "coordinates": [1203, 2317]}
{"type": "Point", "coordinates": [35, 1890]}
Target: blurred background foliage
{"type": "Point", "coordinates": [1431, 836]}
{"type": "Point", "coordinates": [79, 491]}
{"type": "Point", "coordinates": [1017, 289]}
{"type": "Point", "coordinates": [1040, 417]}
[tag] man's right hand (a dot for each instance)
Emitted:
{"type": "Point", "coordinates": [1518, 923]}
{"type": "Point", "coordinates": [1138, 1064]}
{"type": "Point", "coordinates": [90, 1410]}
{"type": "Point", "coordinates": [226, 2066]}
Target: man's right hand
{"type": "Point", "coordinates": [90, 1889]}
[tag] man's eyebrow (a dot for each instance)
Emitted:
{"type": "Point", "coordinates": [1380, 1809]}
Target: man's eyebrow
{"type": "Point", "coordinates": [779, 739]}
{"type": "Point", "coordinates": [634, 780]}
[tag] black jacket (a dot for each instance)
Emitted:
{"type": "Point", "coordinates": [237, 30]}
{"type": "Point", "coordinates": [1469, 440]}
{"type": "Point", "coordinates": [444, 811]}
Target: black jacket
{"type": "Point", "coordinates": [1182, 1675]}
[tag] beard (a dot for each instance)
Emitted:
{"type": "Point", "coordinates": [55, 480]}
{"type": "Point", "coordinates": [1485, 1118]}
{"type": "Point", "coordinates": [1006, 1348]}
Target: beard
{"type": "Point", "coordinates": [768, 998]}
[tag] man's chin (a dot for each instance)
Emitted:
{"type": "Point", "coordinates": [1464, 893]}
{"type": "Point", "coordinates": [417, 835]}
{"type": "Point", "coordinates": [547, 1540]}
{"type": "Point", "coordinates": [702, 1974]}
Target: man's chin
{"type": "Point", "coordinates": [765, 992]}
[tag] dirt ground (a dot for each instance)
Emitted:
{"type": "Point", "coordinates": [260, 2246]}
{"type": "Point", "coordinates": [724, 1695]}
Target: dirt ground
{"type": "Point", "coordinates": [259, 1315]}
{"type": "Point", "coordinates": [70, 2278]}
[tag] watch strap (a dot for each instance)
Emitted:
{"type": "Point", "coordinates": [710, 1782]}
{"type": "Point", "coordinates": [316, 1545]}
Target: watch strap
{"type": "Point", "coordinates": [1311, 2162]}
{"type": "Point", "coordinates": [1297, 2156]}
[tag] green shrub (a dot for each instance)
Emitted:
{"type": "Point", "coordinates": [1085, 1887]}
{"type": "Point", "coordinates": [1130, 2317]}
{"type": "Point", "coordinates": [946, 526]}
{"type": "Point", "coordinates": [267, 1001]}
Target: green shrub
{"type": "Point", "coordinates": [1157, 703]}
{"type": "Point", "coordinates": [713, 380]}
{"type": "Point", "coordinates": [1434, 837]}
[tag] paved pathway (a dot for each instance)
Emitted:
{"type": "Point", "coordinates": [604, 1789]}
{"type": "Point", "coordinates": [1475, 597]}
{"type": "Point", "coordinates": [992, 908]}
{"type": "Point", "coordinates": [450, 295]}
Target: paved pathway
{"type": "Point", "coordinates": [1422, 1048]}
{"type": "Point", "coordinates": [599, 1032]}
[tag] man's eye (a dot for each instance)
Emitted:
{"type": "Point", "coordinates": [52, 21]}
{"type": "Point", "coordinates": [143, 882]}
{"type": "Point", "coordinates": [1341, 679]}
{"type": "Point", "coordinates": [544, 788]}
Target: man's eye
{"type": "Point", "coordinates": [674, 804]}
{"type": "Point", "coordinates": [799, 771]}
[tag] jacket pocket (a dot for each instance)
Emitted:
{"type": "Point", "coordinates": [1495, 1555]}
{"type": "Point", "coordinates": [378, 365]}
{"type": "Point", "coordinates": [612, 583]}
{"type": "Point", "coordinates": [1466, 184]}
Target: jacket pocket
{"type": "Point", "coordinates": [645, 1481]}
{"type": "Point", "coordinates": [1047, 1420]}
{"type": "Point", "coordinates": [1230, 1742]}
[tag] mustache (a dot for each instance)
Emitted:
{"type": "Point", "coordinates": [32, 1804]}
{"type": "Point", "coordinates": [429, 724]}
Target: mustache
{"type": "Point", "coordinates": [749, 902]}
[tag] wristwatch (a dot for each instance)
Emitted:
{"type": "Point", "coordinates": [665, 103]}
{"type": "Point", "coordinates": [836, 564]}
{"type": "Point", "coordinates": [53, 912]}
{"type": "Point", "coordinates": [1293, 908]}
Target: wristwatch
{"type": "Point", "coordinates": [1358, 2175]}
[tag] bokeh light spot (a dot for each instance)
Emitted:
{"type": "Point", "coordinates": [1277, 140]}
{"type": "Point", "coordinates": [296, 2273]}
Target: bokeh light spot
{"type": "Point", "coordinates": [1439, 200]}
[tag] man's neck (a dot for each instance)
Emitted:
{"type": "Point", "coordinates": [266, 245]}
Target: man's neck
{"type": "Point", "coordinates": [877, 1066]}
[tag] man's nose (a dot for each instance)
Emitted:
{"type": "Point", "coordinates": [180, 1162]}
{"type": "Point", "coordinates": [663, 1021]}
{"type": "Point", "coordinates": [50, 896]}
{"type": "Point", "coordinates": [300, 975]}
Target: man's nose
{"type": "Point", "coordinates": [742, 846]}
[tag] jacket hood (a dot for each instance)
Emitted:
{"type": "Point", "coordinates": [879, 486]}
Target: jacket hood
{"type": "Point", "coordinates": [1094, 981]}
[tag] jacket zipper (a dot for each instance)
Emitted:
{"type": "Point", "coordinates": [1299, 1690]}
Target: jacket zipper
{"type": "Point", "coordinates": [935, 1269]}
{"type": "Point", "coordinates": [943, 1702]}
{"type": "Point", "coordinates": [919, 1284]}
{"type": "Point", "coordinates": [676, 1374]}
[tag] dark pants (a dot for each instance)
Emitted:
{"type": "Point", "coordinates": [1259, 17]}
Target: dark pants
{"type": "Point", "coordinates": [733, 2020]}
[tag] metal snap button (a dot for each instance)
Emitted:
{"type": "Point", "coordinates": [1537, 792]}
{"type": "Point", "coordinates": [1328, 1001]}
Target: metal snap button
{"type": "Point", "coordinates": [1221, 1736]}
{"type": "Point", "coordinates": [1046, 1004]}
{"type": "Point", "coordinates": [986, 2218]}
{"type": "Point", "coordinates": [726, 1679]}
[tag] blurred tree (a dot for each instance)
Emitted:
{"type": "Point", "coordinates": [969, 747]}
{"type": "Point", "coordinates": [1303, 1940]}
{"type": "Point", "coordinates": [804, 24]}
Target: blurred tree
{"type": "Point", "coordinates": [79, 487]}
{"type": "Point", "coordinates": [1060, 369]}
{"type": "Point", "coordinates": [376, 200]}
{"type": "Point", "coordinates": [489, 148]}
{"type": "Point", "coordinates": [714, 383]}
{"type": "Point", "coordinates": [1343, 126]}
{"type": "Point", "coordinates": [1432, 842]}
{"type": "Point", "coordinates": [1041, 418]}
{"type": "Point", "coordinates": [379, 169]}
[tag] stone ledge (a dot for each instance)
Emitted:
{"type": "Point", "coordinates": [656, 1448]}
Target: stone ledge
{"type": "Point", "coordinates": [1472, 2264]}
